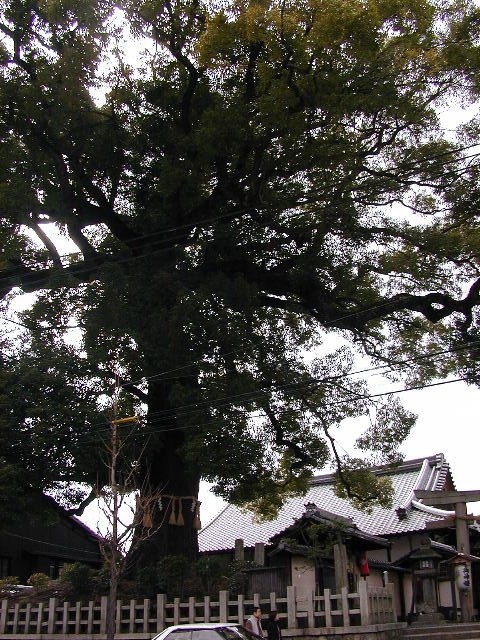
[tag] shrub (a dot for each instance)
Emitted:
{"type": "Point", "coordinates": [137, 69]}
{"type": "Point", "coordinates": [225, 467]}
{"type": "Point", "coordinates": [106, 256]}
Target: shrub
{"type": "Point", "coordinates": [209, 572]}
{"type": "Point", "coordinates": [172, 573]}
{"type": "Point", "coordinates": [76, 579]}
{"type": "Point", "coordinates": [38, 580]}
{"type": "Point", "coordinates": [8, 585]}
{"type": "Point", "coordinates": [147, 582]}
{"type": "Point", "coordinates": [101, 581]}
{"type": "Point", "coordinates": [236, 579]}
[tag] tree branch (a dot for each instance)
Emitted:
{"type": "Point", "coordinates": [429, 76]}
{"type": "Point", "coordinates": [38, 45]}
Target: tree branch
{"type": "Point", "coordinates": [52, 249]}
{"type": "Point", "coordinates": [278, 288]}
{"type": "Point", "coordinates": [281, 440]}
{"type": "Point", "coordinates": [78, 511]}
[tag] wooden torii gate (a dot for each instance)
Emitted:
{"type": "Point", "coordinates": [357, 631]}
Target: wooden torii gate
{"type": "Point", "coordinates": [459, 499]}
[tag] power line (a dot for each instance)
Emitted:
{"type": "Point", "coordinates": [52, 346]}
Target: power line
{"type": "Point", "coordinates": [152, 251]}
{"type": "Point", "coordinates": [163, 417]}
{"type": "Point", "coordinates": [292, 385]}
{"type": "Point", "coordinates": [183, 411]}
{"type": "Point", "coordinates": [51, 544]}
{"type": "Point", "coordinates": [358, 397]}
{"type": "Point", "coordinates": [200, 362]}
{"type": "Point", "coordinates": [20, 324]}
{"type": "Point", "coordinates": [151, 430]}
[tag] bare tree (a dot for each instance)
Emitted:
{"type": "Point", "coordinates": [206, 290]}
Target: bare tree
{"type": "Point", "coordinates": [128, 516]}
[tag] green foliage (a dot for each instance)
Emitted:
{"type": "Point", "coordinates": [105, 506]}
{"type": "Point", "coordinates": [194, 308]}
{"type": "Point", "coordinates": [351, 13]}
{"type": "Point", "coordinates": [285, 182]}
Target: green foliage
{"type": "Point", "coordinates": [323, 536]}
{"type": "Point", "coordinates": [76, 579]}
{"type": "Point", "coordinates": [264, 178]}
{"type": "Point", "coordinates": [390, 425]}
{"type": "Point", "coordinates": [102, 580]}
{"type": "Point", "coordinates": [361, 486]}
{"type": "Point", "coordinates": [8, 585]}
{"type": "Point", "coordinates": [236, 579]}
{"type": "Point", "coordinates": [209, 571]}
{"type": "Point", "coordinates": [38, 580]}
{"type": "Point", "coordinates": [178, 576]}
{"type": "Point", "coordinates": [12, 500]}
{"type": "Point", "coordinates": [147, 581]}
{"type": "Point", "coordinates": [174, 573]}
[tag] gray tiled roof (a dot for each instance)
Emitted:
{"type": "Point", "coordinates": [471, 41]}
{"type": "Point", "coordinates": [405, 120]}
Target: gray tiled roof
{"type": "Point", "coordinates": [429, 473]}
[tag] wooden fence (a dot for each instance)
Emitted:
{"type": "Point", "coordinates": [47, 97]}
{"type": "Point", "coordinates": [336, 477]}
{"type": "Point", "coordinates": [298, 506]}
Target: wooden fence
{"type": "Point", "coordinates": [145, 618]}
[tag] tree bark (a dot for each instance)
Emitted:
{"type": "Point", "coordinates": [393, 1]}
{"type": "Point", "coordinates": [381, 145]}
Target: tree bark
{"type": "Point", "coordinates": [170, 490]}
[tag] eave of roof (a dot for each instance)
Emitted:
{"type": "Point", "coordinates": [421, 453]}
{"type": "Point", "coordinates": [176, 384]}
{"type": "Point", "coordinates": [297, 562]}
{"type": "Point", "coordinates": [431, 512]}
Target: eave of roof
{"type": "Point", "coordinates": [426, 473]}
{"type": "Point", "coordinates": [346, 527]}
{"type": "Point", "coordinates": [444, 550]}
{"type": "Point", "coordinates": [385, 566]}
{"type": "Point", "coordinates": [72, 519]}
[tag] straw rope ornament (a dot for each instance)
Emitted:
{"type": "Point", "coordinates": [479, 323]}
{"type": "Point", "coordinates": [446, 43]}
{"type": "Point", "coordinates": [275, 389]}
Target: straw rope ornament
{"type": "Point", "coordinates": [196, 518]}
{"type": "Point", "coordinates": [172, 519]}
{"type": "Point", "coordinates": [176, 510]}
{"type": "Point", "coordinates": [143, 508]}
{"type": "Point", "coordinates": [180, 520]}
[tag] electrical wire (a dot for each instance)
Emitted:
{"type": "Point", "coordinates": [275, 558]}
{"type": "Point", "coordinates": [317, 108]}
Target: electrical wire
{"type": "Point", "coordinates": [151, 427]}
{"type": "Point", "coordinates": [234, 398]}
{"type": "Point", "coordinates": [200, 362]}
{"type": "Point", "coordinates": [162, 418]}
{"type": "Point", "coordinates": [389, 366]}
{"type": "Point", "coordinates": [151, 430]}
{"type": "Point", "coordinates": [152, 424]}
{"type": "Point", "coordinates": [150, 252]}
{"type": "Point", "coordinates": [51, 544]}
{"type": "Point", "coordinates": [20, 324]}
{"type": "Point", "coordinates": [358, 397]}
{"type": "Point", "coordinates": [417, 162]}
{"type": "Point", "coordinates": [190, 409]}
{"type": "Point", "coordinates": [40, 327]}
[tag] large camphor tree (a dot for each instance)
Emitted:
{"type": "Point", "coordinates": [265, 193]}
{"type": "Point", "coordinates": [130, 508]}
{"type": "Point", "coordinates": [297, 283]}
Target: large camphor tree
{"type": "Point", "coordinates": [249, 179]}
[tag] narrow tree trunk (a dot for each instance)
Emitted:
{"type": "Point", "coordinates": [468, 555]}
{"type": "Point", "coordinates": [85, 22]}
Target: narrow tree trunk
{"type": "Point", "coordinates": [112, 603]}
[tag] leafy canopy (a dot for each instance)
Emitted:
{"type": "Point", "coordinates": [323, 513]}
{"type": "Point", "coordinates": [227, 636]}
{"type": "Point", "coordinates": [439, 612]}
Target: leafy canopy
{"type": "Point", "coordinates": [255, 178]}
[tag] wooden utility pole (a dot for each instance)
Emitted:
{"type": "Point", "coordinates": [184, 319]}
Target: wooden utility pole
{"type": "Point", "coordinates": [459, 499]}
{"type": "Point", "coordinates": [113, 545]}
{"type": "Point", "coordinates": [113, 550]}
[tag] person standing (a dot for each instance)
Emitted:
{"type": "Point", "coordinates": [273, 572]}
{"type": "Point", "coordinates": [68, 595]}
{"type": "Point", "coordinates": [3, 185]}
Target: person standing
{"type": "Point", "coordinates": [254, 622]}
{"type": "Point", "coordinates": [273, 628]}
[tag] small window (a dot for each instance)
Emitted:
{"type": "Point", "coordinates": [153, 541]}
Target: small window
{"type": "Point", "coordinates": [54, 568]}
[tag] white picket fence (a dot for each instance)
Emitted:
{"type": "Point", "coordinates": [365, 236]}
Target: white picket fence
{"type": "Point", "coordinates": [142, 619]}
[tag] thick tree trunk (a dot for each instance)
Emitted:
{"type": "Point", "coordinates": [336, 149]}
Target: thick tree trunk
{"type": "Point", "coordinates": [169, 495]}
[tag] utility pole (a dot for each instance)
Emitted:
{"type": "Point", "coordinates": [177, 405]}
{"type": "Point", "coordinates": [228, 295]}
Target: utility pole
{"type": "Point", "coordinates": [121, 484]}
{"type": "Point", "coordinates": [113, 545]}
